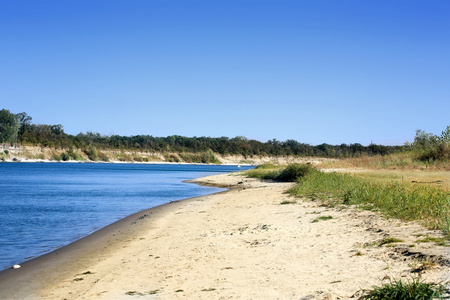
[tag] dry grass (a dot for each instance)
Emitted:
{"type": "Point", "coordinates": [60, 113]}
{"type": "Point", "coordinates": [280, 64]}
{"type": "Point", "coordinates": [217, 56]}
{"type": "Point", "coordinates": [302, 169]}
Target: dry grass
{"type": "Point", "coordinates": [397, 161]}
{"type": "Point", "coordinates": [439, 179]}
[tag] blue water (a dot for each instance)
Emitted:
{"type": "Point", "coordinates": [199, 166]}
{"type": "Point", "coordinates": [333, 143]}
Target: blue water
{"type": "Point", "coordinates": [44, 206]}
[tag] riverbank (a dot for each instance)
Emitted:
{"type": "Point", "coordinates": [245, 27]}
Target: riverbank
{"type": "Point", "coordinates": [47, 154]}
{"type": "Point", "coordinates": [239, 244]}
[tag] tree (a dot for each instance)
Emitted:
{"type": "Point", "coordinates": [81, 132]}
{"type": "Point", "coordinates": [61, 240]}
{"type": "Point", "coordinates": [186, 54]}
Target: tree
{"type": "Point", "coordinates": [7, 126]}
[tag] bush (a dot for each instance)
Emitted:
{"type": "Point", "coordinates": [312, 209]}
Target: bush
{"type": "Point", "coordinates": [405, 291]}
{"type": "Point", "coordinates": [293, 172]}
{"type": "Point", "coordinates": [65, 157]}
{"type": "Point", "coordinates": [92, 152]}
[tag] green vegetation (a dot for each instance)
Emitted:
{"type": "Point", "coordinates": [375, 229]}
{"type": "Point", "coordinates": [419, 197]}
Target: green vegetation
{"type": "Point", "coordinates": [427, 150]}
{"type": "Point", "coordinates": [17, 129]}
{"type": "Point", "coordinates": [430, 205]}
{"type": "Point", "coordinates": [405, 201]}
{"type": "Point", "coordinates": [412, 290]}
{"type": "Point", "coordinates": [322, 218]}
{"type": "Point", "coordinates": [278, 173]}
{"type": "Point", "coordinates": [389, 241]}
{"type": "Point", "coordinates": [439, 241]}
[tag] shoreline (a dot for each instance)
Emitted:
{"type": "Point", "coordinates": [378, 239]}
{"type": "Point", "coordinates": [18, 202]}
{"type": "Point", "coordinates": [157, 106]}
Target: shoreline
{"type": "Point", "coordinates": [32, 273]}
{"type": "Point", "coordinates": [237, 244]}
{"type": "Point", "coordinates": [120, 162]}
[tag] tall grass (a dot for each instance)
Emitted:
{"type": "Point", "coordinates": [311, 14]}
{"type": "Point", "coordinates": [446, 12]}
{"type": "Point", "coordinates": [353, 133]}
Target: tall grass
{"type": "Point", "coordinates": [429, 205]}
{"type": "Point", "coordinates": [426, 204]}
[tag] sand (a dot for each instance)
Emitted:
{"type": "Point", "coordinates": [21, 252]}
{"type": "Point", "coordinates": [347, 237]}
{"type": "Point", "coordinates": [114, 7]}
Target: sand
{"type": "Point", "coordinates": [238, 244]}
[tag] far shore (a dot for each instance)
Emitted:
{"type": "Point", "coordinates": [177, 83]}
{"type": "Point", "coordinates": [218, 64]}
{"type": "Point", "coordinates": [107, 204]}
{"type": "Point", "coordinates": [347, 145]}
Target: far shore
{"type": "Point", "coordinates": [239, 244]}
{"type": "Point", "coordinates": [115, 162]}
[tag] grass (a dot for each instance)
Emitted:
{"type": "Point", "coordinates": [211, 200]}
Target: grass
{"type": "Point", "coordinates": [433, 178]}
{"type": "Point", "coordinates": [440, 241]}
{"type": "Point", "coordinates": [389, 241]}
{"type": "Point", "coordinates": [427, 204]}
{"type": "Point", "coordinates": [322, 218]}
{"type": "Point", "coordinates": [414, 289]}
{"type": "Point", "coordinates": [406, 160]}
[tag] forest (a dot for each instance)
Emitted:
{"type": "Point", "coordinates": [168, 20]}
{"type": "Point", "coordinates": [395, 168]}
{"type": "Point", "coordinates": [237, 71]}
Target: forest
{"type": "Point", "coordinates": [18, 129]}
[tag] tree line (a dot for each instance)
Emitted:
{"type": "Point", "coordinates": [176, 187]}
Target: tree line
{"type": "Point", "coordinates": [17, 129]}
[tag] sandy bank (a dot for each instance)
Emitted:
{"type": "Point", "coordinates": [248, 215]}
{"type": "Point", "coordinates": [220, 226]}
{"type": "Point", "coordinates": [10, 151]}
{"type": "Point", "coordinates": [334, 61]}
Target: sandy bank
{"type": "Point", "coordinates": [239, 244]}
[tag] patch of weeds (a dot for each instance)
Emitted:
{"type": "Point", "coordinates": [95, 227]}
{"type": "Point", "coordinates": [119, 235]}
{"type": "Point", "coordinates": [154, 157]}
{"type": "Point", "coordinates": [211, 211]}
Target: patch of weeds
{"type": "Point", "coordinates": [287, 202]}
{"type": "Point", "coordinates": [133, 293]}
{"type": "Point", "coordinates": [372, 244]}
{"type": "Point", "coordinates": [179, 291]}
{"type": "Point", "coordinates": [439, 241]}
{"type": "Point", "coordinates": [389, 240]}
{"type": "Point", "coordinates": [358, 253]}
{"type": "Point", "coordinates": [414, 289]}
{"type": "Point", "coordinates": [136, 293]}
{"type": "Point", "coordinates": [208, 290]}
{"type": "Point", "coordinates": [78, 279]}
{"type": "Point", "coordinates": [323, 218]}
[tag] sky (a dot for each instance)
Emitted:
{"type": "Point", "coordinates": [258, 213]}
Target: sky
{"type": "Point", "coordinates": [316, 71]}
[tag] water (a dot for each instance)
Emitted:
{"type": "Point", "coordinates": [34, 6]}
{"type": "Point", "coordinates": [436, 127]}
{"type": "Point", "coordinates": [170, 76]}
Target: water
{"type": "Point", "coordinates": [46, 206]}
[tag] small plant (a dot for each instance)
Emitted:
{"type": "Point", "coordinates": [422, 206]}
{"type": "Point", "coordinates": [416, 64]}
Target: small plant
{"type": "Point", "coordinates": [436, 240]}
{"type": "Point", "coordinates": [288, 202]}
{"type": "Point", "coordinates": [405, 291]}
{"type": "Point", "coordinates": [322, 218]}
{"type": "Point", "coordinates": [389, 240]}
{"type": "Point", "coordinates": [208, 290]}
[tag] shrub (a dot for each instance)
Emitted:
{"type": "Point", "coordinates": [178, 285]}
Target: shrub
{"type": "Point", "coordinates": [293, 172]}
{"type": "Point", "coordinates": [92, 152]}
{"type": "Point", "coordinates": [6, 152]}
{"type": "Point", "coordinates": [405, 291]}
{"type": "Point", "coordinates": [65, 156]}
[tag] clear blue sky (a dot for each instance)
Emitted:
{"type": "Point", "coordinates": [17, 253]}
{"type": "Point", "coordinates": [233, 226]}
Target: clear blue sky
{"type": "Point", "coordinates": [316, 71]}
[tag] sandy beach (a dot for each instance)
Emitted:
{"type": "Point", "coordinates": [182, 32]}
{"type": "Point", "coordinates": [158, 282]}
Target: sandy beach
{"type": "Point", "coordinates": [238, 244]}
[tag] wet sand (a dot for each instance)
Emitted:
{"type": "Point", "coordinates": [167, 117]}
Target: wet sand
{"type": "Point", "coordinates": [238, 244]}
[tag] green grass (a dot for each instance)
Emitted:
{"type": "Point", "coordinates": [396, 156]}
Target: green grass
{"type": "Point", "coordinates": [288, 173]}
{"type": "Point", "coordinates": [414, 289]}
{"type": "Point", "coordinates": [437, 240]}
{"type": "Point", "coordinates": [389, 240]}
{"type": "Point", "coordinates": [323, 218]}
{"type": "Point", "coordinates": [429, 205]}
